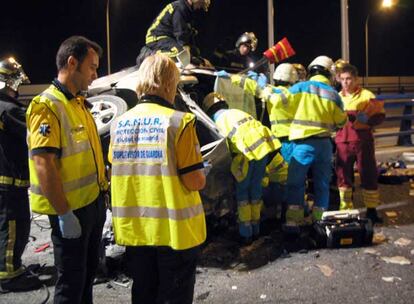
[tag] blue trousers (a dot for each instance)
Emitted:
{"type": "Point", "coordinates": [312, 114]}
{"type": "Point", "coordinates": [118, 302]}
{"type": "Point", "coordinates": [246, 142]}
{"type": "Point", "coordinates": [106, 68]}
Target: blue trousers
{"type": "Point", "coordinates": [249, 191]}
{"type": "Point", "coordinates": [310, 154]}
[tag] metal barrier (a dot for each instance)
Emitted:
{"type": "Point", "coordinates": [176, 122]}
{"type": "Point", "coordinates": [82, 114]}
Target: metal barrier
{"type": "Point", "coordinates": [388, 84]}
{"type": "Point", "coordinates": [405, 132]}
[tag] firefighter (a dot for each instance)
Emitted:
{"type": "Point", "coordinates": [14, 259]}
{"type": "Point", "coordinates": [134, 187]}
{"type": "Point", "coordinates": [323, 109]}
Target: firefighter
{"type": "Point", "coordinates": [240, 57]}
{"type": "Point", "coordinates": [172, 32]}
{"type": "Point", "coordinates": [319, 113]}
{"type": "Point", "coordinates": [355, 143]}
{"type": "Point", "coordinates": [14, 181]}
{"type": "Point", "coordinates": [251, 143]}
{"type": "Point", "coordinates": [157, 170]}
{"type": "Point", "coordinates": [67, 171]}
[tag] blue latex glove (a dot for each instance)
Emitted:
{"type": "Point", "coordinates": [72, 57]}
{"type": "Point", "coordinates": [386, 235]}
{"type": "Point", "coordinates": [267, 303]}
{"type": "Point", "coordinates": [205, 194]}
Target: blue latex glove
{"type": "Point", "coordinates": [222, 74]}
{"type": "Point", "coordinates": [262, 81]}
{"type": "Point", "coordinates": [207, 167]}
{"type": "Point", "coordinates": [69, 225]}
{"type": "Point", "coordinates": [252, 75]}
{"type": "Point", "coordinates": [362, 117]}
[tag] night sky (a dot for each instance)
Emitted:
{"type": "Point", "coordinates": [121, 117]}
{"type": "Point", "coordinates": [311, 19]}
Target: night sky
{"type": "Point", "coordinates": [33, 30]}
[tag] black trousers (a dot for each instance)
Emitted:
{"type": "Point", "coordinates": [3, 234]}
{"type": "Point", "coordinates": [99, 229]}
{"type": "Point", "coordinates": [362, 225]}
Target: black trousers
{"type": "Point", "coordinates": [167, 46]}
{"type": "Point", "coordinates": [162, 275]}
{"type": "Point", "coordinates": [14, 230]}
{"type": "Point", "coordinates": [76, 260]}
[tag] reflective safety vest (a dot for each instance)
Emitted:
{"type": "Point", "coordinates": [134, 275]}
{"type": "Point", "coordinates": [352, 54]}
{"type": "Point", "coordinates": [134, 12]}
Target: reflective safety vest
{"type": "Point", "coordinates": [247, 135]}
{"type": "Point", "coordinates": [248, 85]}
{"type": "Point", "coordinates": [150, 204]}
{"type": "Point", "coordinates": [320, 109]}
{"type": "Point", "coordinates": [281, 109]}
{"type": "Point", "coordinates": [76, 164]}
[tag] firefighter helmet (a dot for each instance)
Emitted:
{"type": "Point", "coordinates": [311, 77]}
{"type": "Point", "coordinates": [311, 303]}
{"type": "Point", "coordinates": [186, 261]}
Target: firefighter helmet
{"type": "Point", "coordinates": [338, 65]}
{"type": "Point", "coordinates": [212, 99]}
{"type": "Point", "coordinates": [248, 38]}
{"type": "Point", "coordinates": [285, 72]}
{"type": "Point", "coordinates": [205, 3]}
{"type": "Point", "coordinates": [322, 65]}
{"type": "Point", "coordinates": [12, 74]}
{"type": "Point", "coordinates": [301, 71]}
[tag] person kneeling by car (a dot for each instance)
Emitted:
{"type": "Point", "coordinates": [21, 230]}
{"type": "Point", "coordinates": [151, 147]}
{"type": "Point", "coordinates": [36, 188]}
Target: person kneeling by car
{"type": "Point", "coordinates": [251, 143]}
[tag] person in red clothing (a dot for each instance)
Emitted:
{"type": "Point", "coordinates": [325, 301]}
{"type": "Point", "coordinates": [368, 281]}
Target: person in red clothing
{"type": "Point", "coordinates": [355, 143]}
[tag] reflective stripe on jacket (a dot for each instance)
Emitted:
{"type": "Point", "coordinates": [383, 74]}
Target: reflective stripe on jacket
{"type": "Point", "coordinates": [150, 204]}
{"type": "Point", "coordinates": [173, 21]}
{"type": "Point", "coordinates": [320, 109]}
{"type": "Point", "coordinates": [280, 106]}
{"type": "Point", "coordinates": [281, 109]}
{"type": "Point", "coordinates": [76, 164]}
{"type": "Point", "coordinates": [246, 134]}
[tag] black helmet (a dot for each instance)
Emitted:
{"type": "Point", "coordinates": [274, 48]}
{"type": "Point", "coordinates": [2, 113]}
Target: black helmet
{"type": "Point", "coordinates": [12, 74]}
{"type": "Point", "coordinates": [248, 38]}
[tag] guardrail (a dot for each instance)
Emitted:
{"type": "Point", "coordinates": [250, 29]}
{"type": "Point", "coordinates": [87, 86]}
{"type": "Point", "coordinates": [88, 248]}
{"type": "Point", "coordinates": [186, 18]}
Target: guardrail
{"type": "Point", "coordinates": [393, 102]}
{"type": "Point", "coordinates": [388, 84]}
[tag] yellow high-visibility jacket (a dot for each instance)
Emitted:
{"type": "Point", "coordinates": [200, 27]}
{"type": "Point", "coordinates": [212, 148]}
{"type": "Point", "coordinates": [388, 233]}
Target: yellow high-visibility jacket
{"type": "Point", "coordinates": [247, 135]}
{"type": "Point", "coordinates": [280, 107]}
{"type": "Point", "coordinates": [80, 159]}
{"type": "Point", "coordinates": [319, 111]}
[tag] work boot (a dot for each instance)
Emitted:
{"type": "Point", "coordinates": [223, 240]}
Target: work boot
{"type": "Point", "coordinates": [23, 282]}
{"type": "Point", "coordinates": [373, 216]}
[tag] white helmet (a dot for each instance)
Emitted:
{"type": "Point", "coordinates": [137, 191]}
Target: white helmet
{"type": "Point", "coordinates": [321, 63]}
{"type": "Point", "coordinates": [285, 72]}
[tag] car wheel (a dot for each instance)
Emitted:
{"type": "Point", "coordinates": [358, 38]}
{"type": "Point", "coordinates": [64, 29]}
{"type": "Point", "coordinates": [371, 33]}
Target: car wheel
{"type": "Point", "coordinates": [105, 108]}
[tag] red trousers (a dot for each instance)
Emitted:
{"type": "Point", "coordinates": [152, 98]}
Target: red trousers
{"type": "Point", "coordinates": [361, 152]}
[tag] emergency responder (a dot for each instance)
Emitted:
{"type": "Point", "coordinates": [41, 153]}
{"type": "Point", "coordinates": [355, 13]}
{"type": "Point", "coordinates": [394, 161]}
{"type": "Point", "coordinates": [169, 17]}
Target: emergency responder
{"type": "Point", "coordinates": [240, 57]}
{"type": "Point", "coordinates": [67, 173]}
{"type": "Point", "coordinates": [281, 114]}
{"type": "Point", "coordinates": [280, 107]}
{"type": "Point", "coordinates": [157, 171]}
{"type": "Point", "coordinates": [319, 112]}
{"type": "Point", "coordinates": [251, 143]}
{"type": "Point", "coordinates": [14, 181]}
{"type": "Point", "coordinates": [355, 142]}
{"type": "Point", "coordinates": [172, 32]}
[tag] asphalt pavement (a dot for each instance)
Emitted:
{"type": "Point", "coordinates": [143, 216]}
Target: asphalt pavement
{"type": "Point", "coordinates": [268, 271]}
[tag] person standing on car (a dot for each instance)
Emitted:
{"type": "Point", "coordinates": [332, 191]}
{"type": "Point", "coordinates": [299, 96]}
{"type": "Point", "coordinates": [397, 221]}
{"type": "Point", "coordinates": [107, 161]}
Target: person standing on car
{"type": "Point", "coordinates": [14, 181]}
{"type": "Point", "coordinates": [172, 31]}
{"type": "Point", "coordinates": [157, 171]}
{"type": "Point", "coordinates": [67, 172]}
{"type": "Point", "coordinates": [355, 143]}
{"type": "Point", "coordinates": [251, 143]}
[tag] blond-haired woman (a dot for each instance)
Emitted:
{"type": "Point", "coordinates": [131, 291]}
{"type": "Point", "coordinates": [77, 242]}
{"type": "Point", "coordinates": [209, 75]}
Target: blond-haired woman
{"type": "Point", "coordinates": [157, 171]}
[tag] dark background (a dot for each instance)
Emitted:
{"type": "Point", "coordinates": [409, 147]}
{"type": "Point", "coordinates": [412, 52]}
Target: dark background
{"type": "Point", "coordinates": [33, 30]}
